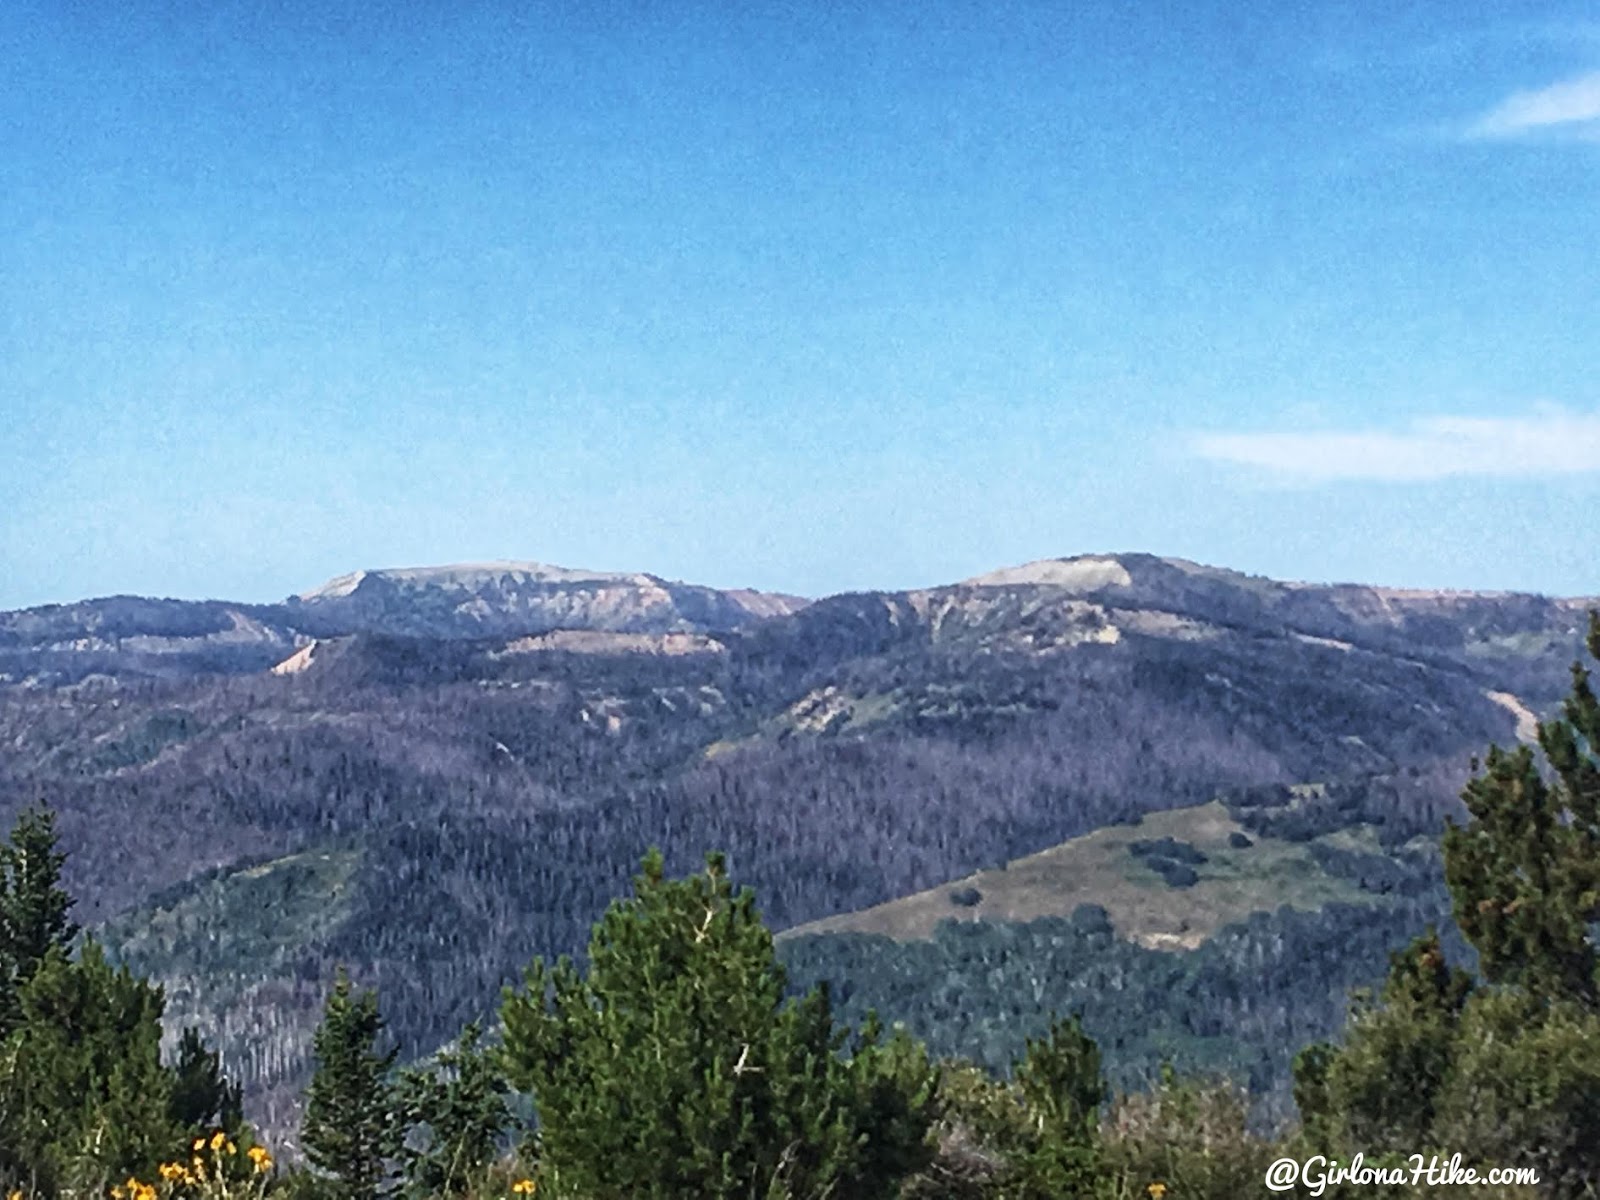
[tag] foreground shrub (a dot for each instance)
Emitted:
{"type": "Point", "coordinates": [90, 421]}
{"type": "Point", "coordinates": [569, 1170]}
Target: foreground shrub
{"type": "Point", "coordinates": [1034, 1138]}
{"type": "Point", "coordinates": [1525, 1089]}
{"type": "Point", "coordinates": [1184, 1138]}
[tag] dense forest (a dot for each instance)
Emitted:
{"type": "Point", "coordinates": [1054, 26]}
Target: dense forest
{"type": "Point", "coordinates": [679, 1058]}
{"type": "Point", "coordinates": [432, 813]}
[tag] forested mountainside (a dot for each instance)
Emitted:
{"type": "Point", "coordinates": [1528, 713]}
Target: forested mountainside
{"type": "Point", "coordinates": [433, 798]}
{"type": "Point", "coordinates": [1219, 939]}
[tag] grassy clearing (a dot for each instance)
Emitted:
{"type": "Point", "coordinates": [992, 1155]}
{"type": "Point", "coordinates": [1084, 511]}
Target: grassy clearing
{"type": "Point", "coordinates": [246, 918]}
{"type": "Point", "coordinates": [1098, 868]}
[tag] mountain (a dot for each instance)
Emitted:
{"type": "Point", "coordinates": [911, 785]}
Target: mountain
{"type": "Point", "coordinates": [1057, 603]}
{"type": "Point", "coordinates": [138, 636]}
{"type": "Point", "coordinates": [510, 599]}
{"type": "Point", "coordinates": [439, 783]}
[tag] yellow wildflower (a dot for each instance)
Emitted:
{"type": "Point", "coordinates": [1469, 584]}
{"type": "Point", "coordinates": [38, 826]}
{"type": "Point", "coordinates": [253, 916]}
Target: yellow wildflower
{"type": "Point", "coordinates": [171, 1170]}
{"type": "Point", "coordinates": [524, 1187]}
{"type": "Point", "coordinates": [199, 1144]}
{"type": "Point", "coordinates": [218, 1139]}
{"type": "Point", "coordinates": [1157, 1190]}
{"type": "Point", "coordinates": [262, 1159]}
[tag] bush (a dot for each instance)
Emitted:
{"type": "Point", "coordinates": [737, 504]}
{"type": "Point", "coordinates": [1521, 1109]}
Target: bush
{"type": "Point", "coordinates": [1186, 1138]}
{"type": "Point", "coordinates": [1175, 874]}
{"type": "Point", "coordinates": [980, 1119]}
{"type": "Point", "coordinates": [1525, 1088]}
{"type": "Point", "coordinates": [1168, 848]}
{"type": "Point", "coordinates": [1032, 1139]}
{"type": "Point", "coordinates": [1092, 919]}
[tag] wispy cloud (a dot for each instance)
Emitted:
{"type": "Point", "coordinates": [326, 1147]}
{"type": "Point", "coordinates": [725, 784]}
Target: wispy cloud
{"type": "Point", "coordinates": [1571, 106]}
{"type": "Point", "coordinates": [1552, 442]}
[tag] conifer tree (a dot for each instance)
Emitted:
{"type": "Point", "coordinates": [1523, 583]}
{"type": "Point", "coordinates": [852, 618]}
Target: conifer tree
{"type": "Point", "coordinates": [348, 1130]}
{"type": "Point", "coordinates": [1507, 1069]}
{"type": "Point", "coordinates": [202, 1096]}
{"type": "Point", "coordinates": [1524, 1089]}
{"type": "Point", "coordinates": [674, 1069]}
{"type": "Point", "coordinates": [1381, 1089]}
{"type": "Point", "coordinates": [33, 905]}
{"type": "Point", "coordinates": [1062, 1088]}
{"type": "Point", "coordinates": [89, 1098]}
{"type": "Point", "coordinates": [1524, 873]}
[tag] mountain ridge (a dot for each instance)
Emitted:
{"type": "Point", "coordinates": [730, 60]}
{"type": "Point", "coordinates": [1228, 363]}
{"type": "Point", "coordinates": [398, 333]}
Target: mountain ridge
{"type": "Point", "coordinates": [155, 637]}
{"type": "Point", "coordinates": [476, 798]}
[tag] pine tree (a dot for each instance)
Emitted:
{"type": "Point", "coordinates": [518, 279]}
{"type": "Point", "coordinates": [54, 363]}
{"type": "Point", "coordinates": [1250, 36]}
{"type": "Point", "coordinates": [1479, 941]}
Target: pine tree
{"type": "Point", "coordinates": [1524, 874]}
{"type": "Point", "coordinates": [348, 1130]}
{"type": "Point", "coordinates": [202, 1097]}
{"type": "Point", "coordinates": [1524, 1089]}
{"type": "Point", "coordinates": [84, 1097]}
{"type": "Point", "coordinates": [675, 1069]}
{"type": "Point", "coordinates": [89, 1098]}
{"type": "Point", "coordinates": [33, 906]}
{"type": "Point", "coordinates": [1382, 1088]}
{"type": "Point", "coordinates": [1507, 1069]}
{"type": "Point", "coordinates": [1062, 1088]}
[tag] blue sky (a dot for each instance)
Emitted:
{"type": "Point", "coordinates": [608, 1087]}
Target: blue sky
{"type": "Point", "coordinates": [808, 297]}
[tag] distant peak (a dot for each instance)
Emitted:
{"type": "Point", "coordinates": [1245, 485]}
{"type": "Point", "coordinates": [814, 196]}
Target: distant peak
{"type": "Point", "coordinates": [1085, 572]}
{"type": "Point", "coordinates": [1091, 572]}
{"type": "Point", "coordinates": [469, 575]}
{"type": "Point", "coordinates": [341, 585]}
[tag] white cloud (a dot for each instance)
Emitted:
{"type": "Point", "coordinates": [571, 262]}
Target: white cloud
{"type": "Point", "coordinates": [1571, 106]}
{"type": "Point", "coordinates": [1548, 443]}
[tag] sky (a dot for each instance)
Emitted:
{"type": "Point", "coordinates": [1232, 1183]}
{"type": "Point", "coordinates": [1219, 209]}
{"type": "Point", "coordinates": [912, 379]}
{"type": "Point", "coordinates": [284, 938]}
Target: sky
{"type": "Point", "coordinates": [810, 297]}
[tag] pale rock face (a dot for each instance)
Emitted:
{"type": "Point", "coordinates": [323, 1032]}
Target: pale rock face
{"type": "Point", "coordinates": [1527, 722]}
{"type": "Point", "coordinates": [1331, 643]}
{"type": "Point", "coordinates": [765, 604]}
{"type": "Point", "coordinates": [1154, 623]}
{"type": "Point", "coordinates": [469, 577]}
{"type": "Point", "coordinates": [596, 641]}
{"type": "Point", "coordinates": [1079, 574]}
{"type": "Point", "coordinates": [818, 708]}
{"type": "Point", "coordinates": [299, 661]}
{"type": "Point", "coordinates": [243, 631]}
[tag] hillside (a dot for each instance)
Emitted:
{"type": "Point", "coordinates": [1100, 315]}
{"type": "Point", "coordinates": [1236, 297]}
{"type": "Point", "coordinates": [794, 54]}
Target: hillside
{"type": "Point", "coordinates": [1218, 937]}
{"type": "Point", "coordinates": [434, 810]}
{"type": "Point", "coordinates": [1112, 868]}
